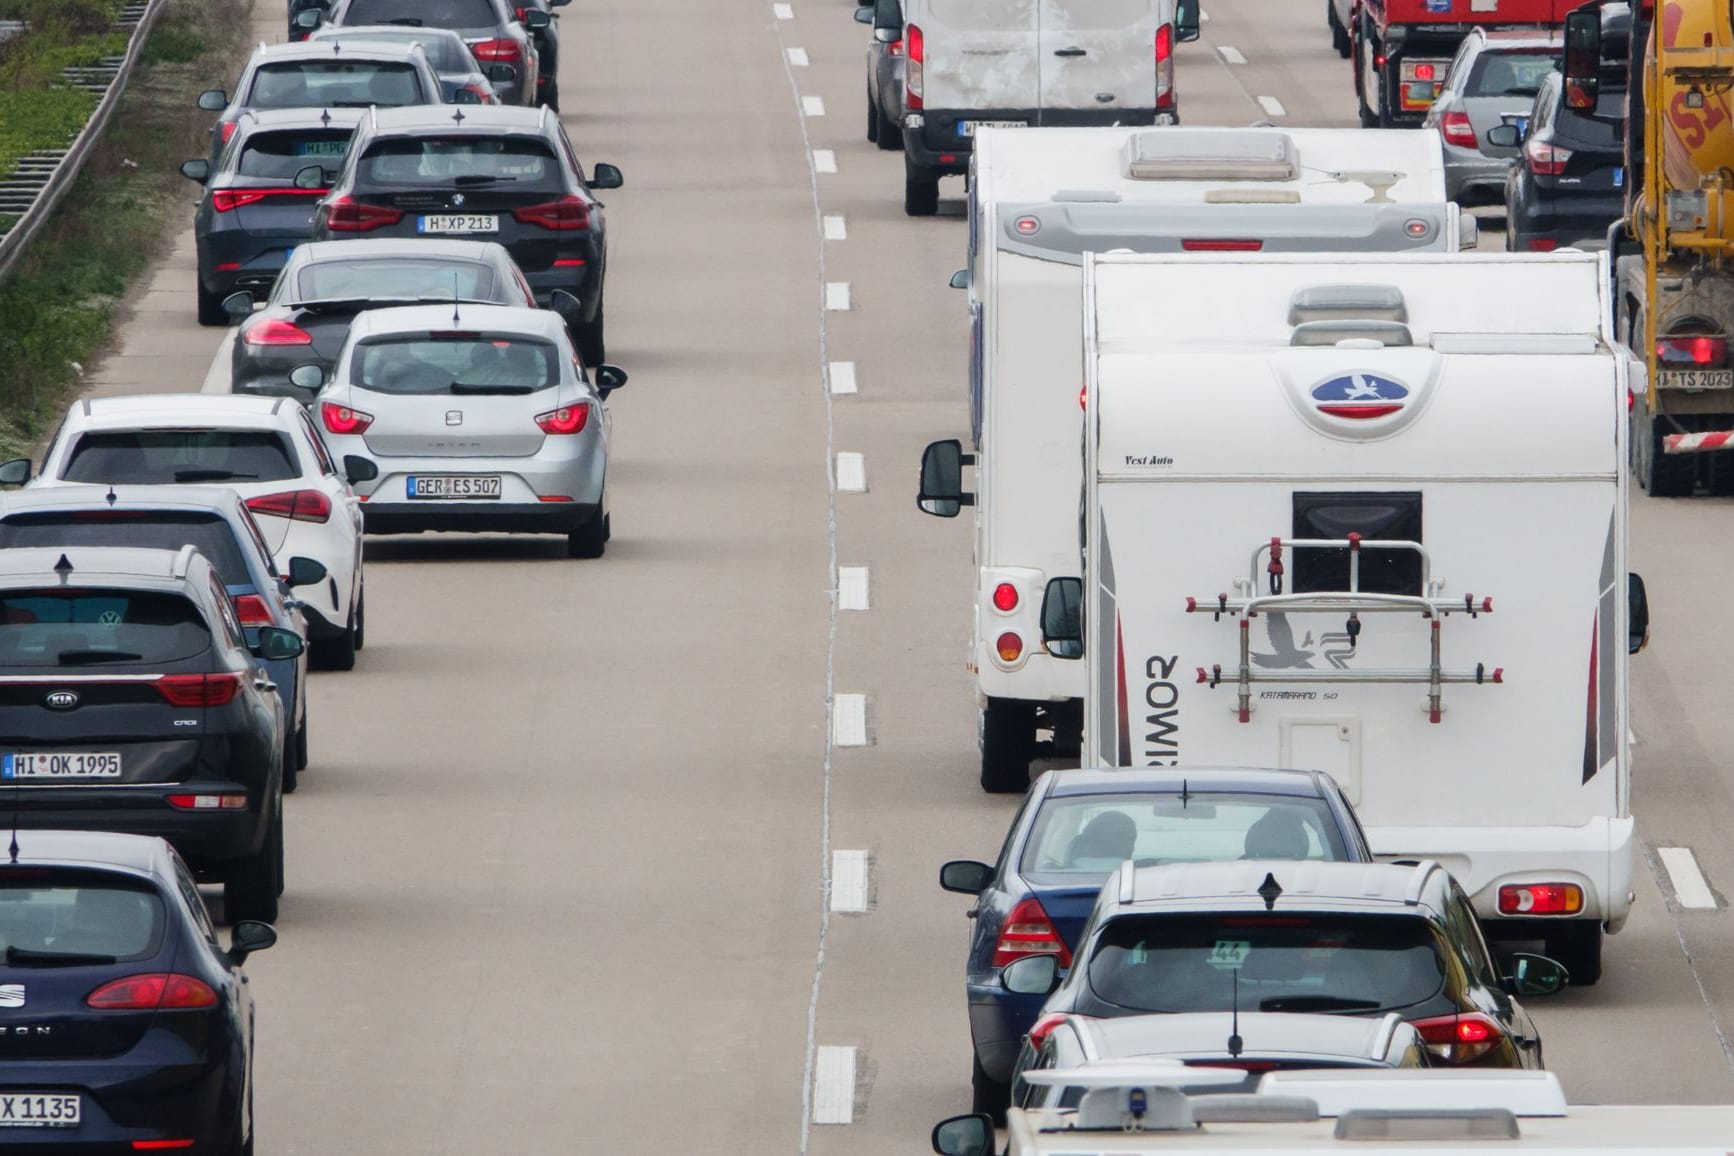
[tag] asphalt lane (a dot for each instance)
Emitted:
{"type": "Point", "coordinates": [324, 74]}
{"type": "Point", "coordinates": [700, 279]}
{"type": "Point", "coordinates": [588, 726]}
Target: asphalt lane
{"type": "Point", "coordinates": [560, 873]}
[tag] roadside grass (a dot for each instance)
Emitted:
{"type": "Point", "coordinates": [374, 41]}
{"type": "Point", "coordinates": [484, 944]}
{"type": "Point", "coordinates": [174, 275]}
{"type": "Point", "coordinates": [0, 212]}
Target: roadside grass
{"type": "Point", "coordinates": [61, 299]}
{"type": "Point", "coordinates": [37, 112]}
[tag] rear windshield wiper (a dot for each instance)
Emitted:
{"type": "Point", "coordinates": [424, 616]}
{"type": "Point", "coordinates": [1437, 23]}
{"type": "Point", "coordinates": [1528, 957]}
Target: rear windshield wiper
{"type": "Point", "coordinates": [345, 304]}
{"type": "Point", "coordinates": [1318, 1003]}
{"type": "Point", "coordinates": [461, 388]}
{"type": "Point", "coordinates": [412, 21]}
{"type": "Point", "coordinates": [208, 474]}
{"type": "Point", "coordinates": [481, 179]}
{"type": "Point", "coordinates": [24, 957]}
{"type": "Point", "coordinates": [85, 657]}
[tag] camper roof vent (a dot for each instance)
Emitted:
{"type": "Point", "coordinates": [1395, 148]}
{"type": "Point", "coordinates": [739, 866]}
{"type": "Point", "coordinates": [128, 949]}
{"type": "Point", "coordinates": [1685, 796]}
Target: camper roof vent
{"type": "Point", "coordinates": [1330, 333]}
{"type": "Point", "coordinates": [1401, 1124]}
{"type": "Point", "coordinates": [1088, 196]}
{"type": "Point", "coordinates": [1231, 156]}
{"type": "Point", "coordinates": [1252, 197]}
{"type": "Point", "coordinates": [1337, 302]}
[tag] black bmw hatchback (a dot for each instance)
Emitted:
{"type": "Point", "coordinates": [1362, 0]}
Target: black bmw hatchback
{"type": "Point", "coordinates": [124, 1026]}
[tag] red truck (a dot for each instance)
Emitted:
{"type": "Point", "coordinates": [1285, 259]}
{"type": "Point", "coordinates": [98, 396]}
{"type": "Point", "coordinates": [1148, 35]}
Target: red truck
{"type": "Point", "coordinates": [1403, 48]}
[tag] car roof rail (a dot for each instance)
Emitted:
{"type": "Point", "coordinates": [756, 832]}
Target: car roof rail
{"type": "Point", "coordinates": [1424, 869]}
{"type": "Point", "coordinates": [184, 559]}
{"type": "Point", "coordinates": [1128, 881]}
{"type": "Point", "coordinates": [1382, 1038]}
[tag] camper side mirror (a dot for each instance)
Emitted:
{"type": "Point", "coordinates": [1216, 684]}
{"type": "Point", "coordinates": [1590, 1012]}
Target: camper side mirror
{"type": "Point", "coordinates": [1536, 975]}
{"type": "Point", "coordinates": [15, 472]}
{"type": "Point", "coordinates": [1504, 136]}
{"type": "Point", "coordinates": [941, 487]}
{"type": "Point", "coordinates": [964, 1136]}
{"type": "Point", "coordinates": [965, 876]}
{"type": "Point", "coordinates": [1637, 613]}
{"type": "Point", "coordinates": [1063, 618]}
{"type": "Point", "coordinates": [1583, 58]}
{"type": "Point", "coordinates": [359, 469]}
{"type": "Point", "coordinates": [1186, 20]}
{"type": "Point", "coordinates": [1031, 975]}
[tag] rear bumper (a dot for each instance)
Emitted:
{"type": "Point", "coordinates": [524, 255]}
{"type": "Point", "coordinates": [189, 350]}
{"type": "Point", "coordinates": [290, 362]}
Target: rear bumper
{"type": "Point", "coordinates": [1471, 175]}
{"type": "Point", "coordinates": [1563, 219]}
{"type": "Point", "coordinates": [256, 261]}
{"type": "Point", "coordinates": [478, 517]}
{"type": "Point", "coordinates": [934, 143]}
{"type": "Point", "coordinates": [583, 282]}
{"type": "Point", "coordinates": [206, 839]}
{"type": "Point", "coordinates": [155, 1091]}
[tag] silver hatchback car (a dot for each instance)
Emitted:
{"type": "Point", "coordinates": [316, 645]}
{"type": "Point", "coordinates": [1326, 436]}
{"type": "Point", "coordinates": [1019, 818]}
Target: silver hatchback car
{"type": "Point", "coordinates": [476, 417]}
{"type": "Point", "coordinates": [1492, 81]}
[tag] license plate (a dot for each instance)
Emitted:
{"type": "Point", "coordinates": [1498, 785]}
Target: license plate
{"type": "Point", "coordinates": [1522, 123]}
{"type": "Point", "coordinates": [968, 127]}
{"type": "Point", "coordinates": [453, 486]}
{"type": "Point", "coordinates": [1620, 177]}
{"type": "Point", "coordinates": [1695, 379]}
{"type": "Point", "coordinates": [321, 148]}
{"type": "Point", "coordinates": [61, 765]}
{"type": "Point", "coordinates": [458, 223]}
{"type": "Point", "coordinates": [40, 1110]}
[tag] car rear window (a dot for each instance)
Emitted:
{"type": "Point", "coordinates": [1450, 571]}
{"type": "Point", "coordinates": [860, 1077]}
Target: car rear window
{"type": "Point", "coordinates": [166, 530]}
{"type": "Point", "coordinates": [335, 83]}
{"type": "Point", "coordinates": [520, 164]}
{"type": "Point", "coordinates": [280, 155]}
{"type": "Point", "coordinates": [1080, 838]}
{"type": "Point", "coordinates": [1286, 962]}
{"type": "Point", "coordinates": [456, 363]}
{"type": "Point", "coordinates": [433, 13]}
{"type": "Point", "coordinates": [341, 280]}
{"type": "Point", "coordinates": [46, 917]}
{"type": "Point", "coordinates": [445, 53]}
{"type": "Point", "coordinates": [1509, 73]}
{"type": "Point", "coordinates": [93, 626]}
{"type": "Point", "coordinates": [159, 457]}
{"type": "Point", "coordinates": [1602, 133]}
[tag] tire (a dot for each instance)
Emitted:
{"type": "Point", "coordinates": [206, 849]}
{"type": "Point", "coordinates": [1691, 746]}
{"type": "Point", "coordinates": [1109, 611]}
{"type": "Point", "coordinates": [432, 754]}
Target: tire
{"type": "Point", "coordinates": [590, 539]}
{"type": "Point", "coordinates": [1369, 116]}
{"type": "Point", "coordinates": [1719, 471]}
{"type": "Point", "coordinates": [301, 746]}
{"type": "Point", "coordinates": [254, 885]}
{"type": "Point", "coordinates": [1008, 739]}
{"type": "Point", "coordinates": [361, 617]}
{"type": "Point", "coordinates": [920, 192]}
{"type": "Point", "coordinates": [1664, 475]}
{"type": "Point", "coordinates": [872, 117]}
{"type": "Point", "coordinates": [291, 770]}
{"type": "Point", "coordinates": [1579, 947]}
{"type": "Point", "coordinates": [333, 653]}
{"type": "Point", "coordinates": [1339, 35]}
{"type": "Point", "coordinates": [890, 134]}
{"type": "Point", "coordinates": [211, 311]}
{"type": "Point", "coordinates": [987, 1094]}
{"type": "Point", "coordinates": [587, 336]}
{"type": "Point", "coordinates": [552, 99]}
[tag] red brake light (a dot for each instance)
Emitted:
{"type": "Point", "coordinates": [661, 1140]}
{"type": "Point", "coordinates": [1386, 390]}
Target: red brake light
{"type": "Point", "coordinates": [1457, 130]}
{"type": "Point", "coordinates": [229, 129]}
{"type": "Point", "coordinates": [915, 48]}
{"type": "Point", "coordinates": [1029, 931]}
{"type": "Point", "coordinates": [1542, 244]}
{"type": "Point", "coordinates": [160, 1145]}
{"type": "Point", "coordinates": [502, 51]}
{"type": "Point", "coordinates": [1005, 597]}
{"type": "Point", "coordinates": [1165, 67]}
{"type": "Point", "coordinates": [564, 215]}
{"type": "Point", "coordinates": [199, 689]}
{"type": "Point", "coordinates": [347, 215]}
{"type": "Point", "coordinates": [1459, 1039]}
{"type": "Point", "coordinates": [276, 331]}
{"type": "Point", "coordinates": [223, 200]}
{"type": "Point", "coordinates": [1009, 647]}
{"type": "Point", "coordinates": [1248, 245]}
{"type": "Point", "coordinates": [1545, 159]}
{"type": "Point", "coordinates": [252, 611]}
{"type": "Point", "coordinates": [340, 419]}
{"type": "Point", "coordinates": [568, 419]}
{"type": "Point", "coordinates": [1044, 1027]}
{"type": "Point", "coordinates": [301, 505]}
{"type": "Point", "coordinates": [1540, 899]}
{"type": "Point", "coordinates": [1696, 349]}
{"type": "Point", "coordinates": [1425, 72]}
{"type": "Point", "coordinates": [482, 95]}
{"type": "Point", "coordinates": [1164, 42]}
{"type": "Point", "coordinates": [153, 991]}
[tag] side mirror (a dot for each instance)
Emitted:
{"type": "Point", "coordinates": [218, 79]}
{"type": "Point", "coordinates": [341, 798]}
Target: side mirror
{"type": "Point", "coordinates": [249, 936]}
{"type": "Point", "coordinates": [605, 176]}
{"type": "Point", "coordinates": [1031, 975]}
{"type": "Point", "coordinates": [1186, 20]}
{"type": "Point", "coordinates": [564, 303]}
{"type": "Point", "coordinates": [941, 486]}
{"type": "Point", "coordinates": [502, 73]}
{"type": "Point", "coordinates": [964, 1136]}
{"type": "Point", "coordinates": [276, 644]}
{"type": "Point", "coordinates": [311, 177]}
{"type": "Point", "coordinates": [15, 472]}
{"type": "Point", "coordinates": [306, 571]}
{"type": "Point", "coordinates": [198, 171]}
{"type": "Point", "coordinates": [1582, 63]}
{"type": "Point", "coordinates": [959, 279]}
{"type": "Point", "coordinates": [609, 378]}
{"type": "Point", "coordinates": [535, 19]}
{"type": "Point", "coordinates": [1534, 975]}
{"type": "Point", "coordinates": [359, 469]}
{"type": "Point", "coordinates": [238, 305]}
{"type": "Point", "coordinates": [558, 3]}
{"type": "Point", "coordinates": [965, 876]}
{"type": "Point", "coordinates": [1504, 136]}
{"type": "Point", "coordinates": [307, 377]}
{"type": "Point", "coordinates": [213, 100]}
{"type": "Point", "coordinates": [309, 20]}
{"type": "Point", "coordinates": [1063, 617]}
{"type": "Point", "coordinates": [864, 14]}
{"type": "Point", "coordinates": [1637, 611]}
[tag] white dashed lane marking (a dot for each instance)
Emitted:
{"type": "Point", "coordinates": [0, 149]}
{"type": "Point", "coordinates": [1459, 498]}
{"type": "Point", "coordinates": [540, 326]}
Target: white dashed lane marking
{"type": "Point", "coordinates": [1272, 106]}
{"type": "Point", "coordinates": [813, 105]}
{"type": "Point", "coordinates": [1230, 54]}
{"type": "Point", "coordinates": [836, 229]}
{"type": "Point", "coordinates": [834, 1086]}
{"type": "Point", "coordinates": [798, 57]}
{"type": "Point", "coordinates": [842, 377]}
{"type": "Point", "coordinates": [851, 587]}
{"type": "Point", "coordinates": [1691, 889]}
{"type": "Point", "coordinates": [849, 721]}
{"type": "Point", "coordinates": [784, 11]}
{"type": "Point", "coordinates": [849, 881]}
{"type": "Point", "coordinates": [837, 296]}
{"type": "Point", "coordinates": [851, 473]}
{"type": "Point", "coordinates": [824, 161]}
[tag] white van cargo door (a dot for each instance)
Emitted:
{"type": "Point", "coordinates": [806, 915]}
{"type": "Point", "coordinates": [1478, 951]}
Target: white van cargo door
{"type": "Point", "coordinates": [979, 54]}
{"type": "Point", "coordinates": [1099, 54]}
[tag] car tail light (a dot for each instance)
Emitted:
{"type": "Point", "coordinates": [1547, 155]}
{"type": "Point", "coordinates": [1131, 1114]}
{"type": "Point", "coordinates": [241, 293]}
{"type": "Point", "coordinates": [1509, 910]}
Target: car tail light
{"type": "Point", "coordinates": [895, 48]}
{"type": "Point", "coordinates": [1165, 68]}
{"type": "Point", "coordinates": [1540, 899]}
{"type": "Point", "coordinates": [199, 689]}
{"type": "Point", "coordinates": [153, 991]}
{"type": "Point", "coordinates": [223, 200]}
{"type": "Point", "coordinates": [1457, 130]}
{"type": "Point", "coordinates": [1544, 158]}
{"type": "Point", "coordinates": [1043, 1028]}
{"type": "Point", "coordinates": [915, 48]}
{"type": "Point", "coordinates": [1426, 72]}
{"type": "Point", "coordinates": [1461, 1038]}
{"type": "Point", "coordinates": [252, 611]}
{"type": "Point", "coordinates": [502, 51]}
{"type": "Point", "coordinates": [1695, 349]}
{"type": "Point", "coordinates": [1542, 244]}
{"type": "Point", "coordinates": [1221, 245]}
{"type": "Point", "coordinates": [208, 802]}
{"type": "Point", "coordinates": [299, 505]}
{"type": "Point", "coordinates": [160, 1145]}
{"type": "Point", "coordinates": [1029, 931]}
{"type": "Point", "coordinates": [1009, 647]}
{"type": "Point", "coordinates": [568, 419]}
{"type": "Point", "coordinates": [348, 215]}
{"type": "Point", "coordinates": [340, 419]}
{"type": "Point", "coordinates": [482, 95]}
{"type": "Point", "coordinates": [564, 215]}
{"type": "Point", "coordinates": [276, 331]}
{"type": "Point", "coordinates": [229, 127]}
{"type": "Point", "coordinates": [1005, 597]}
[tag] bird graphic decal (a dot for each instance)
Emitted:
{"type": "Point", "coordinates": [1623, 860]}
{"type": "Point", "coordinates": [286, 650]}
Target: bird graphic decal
{"type": "Point", "coordinates": [1335, 645]}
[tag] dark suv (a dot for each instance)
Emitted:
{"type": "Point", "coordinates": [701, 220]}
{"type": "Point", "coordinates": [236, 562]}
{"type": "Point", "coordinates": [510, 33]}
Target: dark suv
{"type": "Point", "coordinates": [520, 38]}
{"type": "Point", "coordinates": [483, 173]}
{"type": "Point", "coordinates": [131, 702]}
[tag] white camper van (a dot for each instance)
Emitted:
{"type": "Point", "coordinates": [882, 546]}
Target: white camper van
{"type": "Point", "coordinates": [1371, 520]}
{"type": "Point", "coordinates": [976, 63]}
{"type": "Point", "coordinates": [1038, 202]}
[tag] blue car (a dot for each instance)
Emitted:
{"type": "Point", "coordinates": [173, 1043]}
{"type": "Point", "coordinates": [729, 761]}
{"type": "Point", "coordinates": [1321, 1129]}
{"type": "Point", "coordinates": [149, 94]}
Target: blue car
{"type": "Point", "coordinates": [127, 1027]}
{"type": "Point", "coordinates": [1075, 827]}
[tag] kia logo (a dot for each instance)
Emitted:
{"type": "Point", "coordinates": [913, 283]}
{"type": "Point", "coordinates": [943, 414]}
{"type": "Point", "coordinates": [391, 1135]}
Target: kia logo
{"type": "Point", "coordinates": [60, 699]}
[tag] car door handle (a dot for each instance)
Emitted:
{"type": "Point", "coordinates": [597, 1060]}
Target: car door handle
{"type": "Point", "coordinates": [1069, 52]}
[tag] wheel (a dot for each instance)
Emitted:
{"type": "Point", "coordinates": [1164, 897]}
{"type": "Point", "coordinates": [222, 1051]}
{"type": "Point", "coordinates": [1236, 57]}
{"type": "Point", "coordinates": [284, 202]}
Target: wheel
{"type": "Point", "coordinates": [211, 311]}
{"type": "Point", "coordinates": [361, 617]}
{"type": "Point", "coordinates": [1369, 116]}
{"type": "Point", "coordinates": [1720, 470]}
{"type": "Point", "coordinates": [301, 746]}
{"type": "Point", "coordinates": [252, 889]}
{"type": "Point", "coordinates": [1578, 946]}
{"type": "Point", "coordinates": [590, 539]}
{"type": "Point", "coordinates": [1008, 739]}
{"type": "Point", "coordinates": [889, 136]}
{"type": "Point", "coordinates": [1664, 475]}
{"type": "Point", "coordinates": [1339, 35]}
{"type": "Point", "coordinates": [552, 98]}
{"type": "Point", "coordinates": [587, 335]}
{"type": "Point", "coordinates": [920, 192]}
{"type": "Point", "coordinates": [872, 117]}
{"type": "Point", "coordinates": [988, 1094]}
{"type": "Point", "coordinates": [291, 769]}
{"type": "Point", "coordinates": [334, 653]}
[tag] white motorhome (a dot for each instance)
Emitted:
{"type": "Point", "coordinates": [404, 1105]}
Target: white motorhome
{"type": "Point", "coordinates": [1371, 520]}
{"type": "Point", "coordinates": [1038, 202]}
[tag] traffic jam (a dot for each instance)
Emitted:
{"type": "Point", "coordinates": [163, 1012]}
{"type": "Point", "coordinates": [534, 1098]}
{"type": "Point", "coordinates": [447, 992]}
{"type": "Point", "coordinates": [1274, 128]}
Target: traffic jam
{"type": "Point", "coordinates": [1303, 669]}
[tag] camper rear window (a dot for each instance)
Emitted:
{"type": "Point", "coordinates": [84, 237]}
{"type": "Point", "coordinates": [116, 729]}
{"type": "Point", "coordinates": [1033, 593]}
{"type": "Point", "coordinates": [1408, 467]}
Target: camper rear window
{"type": "Point", "coordinates": [1388, 516]}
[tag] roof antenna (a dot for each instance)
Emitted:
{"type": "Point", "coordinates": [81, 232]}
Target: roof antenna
{"type": "Point", "coordinates": [1270, 890]}
{"type": "Point", "coordinates": [111, 499]}
{"type": "Point", "coordinates": [1185, 794]}
{"type": "Point", "coordinates": [1235, 1044]}
{"type": "Point", "coordinates": [63, 568]}
{"type": "Point", "coordinates": [456, 297]}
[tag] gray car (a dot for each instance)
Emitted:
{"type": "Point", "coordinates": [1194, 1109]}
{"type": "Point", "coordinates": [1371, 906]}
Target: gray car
{"type": "Point", "coordinates": [493, 29]}
{"type": "Point", "coordinates": [463, 79]}
{"type": "Point", "coordinates": [885, 68]}
{"type": "Point", "coordinates": [1492, 81]}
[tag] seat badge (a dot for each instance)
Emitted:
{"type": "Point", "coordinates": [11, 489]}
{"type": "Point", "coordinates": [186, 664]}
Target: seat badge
{"type": "Point", "coordinates": [454, 417]}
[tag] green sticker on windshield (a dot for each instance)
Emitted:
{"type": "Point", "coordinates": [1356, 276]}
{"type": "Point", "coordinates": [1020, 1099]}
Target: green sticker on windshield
{"type": "Point", "coordinates": [1229, 954]}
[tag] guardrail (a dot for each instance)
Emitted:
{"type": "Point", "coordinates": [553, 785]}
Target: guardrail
{"type": "Point", "coordinates": [43, 178]}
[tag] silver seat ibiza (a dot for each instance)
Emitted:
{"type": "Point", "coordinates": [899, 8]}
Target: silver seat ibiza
{"type": "Point", "coordinates": [473, 418]}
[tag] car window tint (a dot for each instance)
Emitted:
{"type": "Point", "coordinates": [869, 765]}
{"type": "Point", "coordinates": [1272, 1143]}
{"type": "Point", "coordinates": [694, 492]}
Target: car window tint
{"type": "Point", "coordinates": [194, 901]}
{"type": "Point", "coordinates": [157, 457]}
{"type": "Point", "coordinates": [1592, 132]}
{"type": "Point", "coordinates": [1465, 932]}
{"type": "Point", "coordinates": [521, 163]}
{"type": "Point", "coordinates": [341, 280]}
{"type": "Point", "coordinates": [1080, 838]}
{"type": "Point", "coordinates": [79, 913]}
{"type": "Point", "coordinates": [258, 537]}
{"type": "Point", "coordinates": [280, 155]}
{"type": "Point", "coordinates": [154, 530]}
{"type": "Point", "coordinates": [445, 52]}
{"type": "Point", "coordinates": [232, 631]}
{"type": "Point", "coordinates": [90, 627]}
{"type": "Point", "coordinates": [1304, 963]}
{"type": "Point", "coordinates": [334, 83]}
{"type": "Point", "coordinates": [1509, 73]}
{"type": "Point", "coordinates": [455, 363]}
{"type": "Point", "coordinates": [433, 13]}
{"type": "Point", "coordinates": [326, 465]}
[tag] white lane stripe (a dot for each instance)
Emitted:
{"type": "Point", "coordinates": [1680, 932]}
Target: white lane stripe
{"type": "Point", "coordinates": [1272, 106]}
{"type": "Point", "coordinates": [1690, 887]}
{"type": "Point", "coordinates": [851, 473]}
{"type": "Point", "coordinates": [1230, 54]}
{"type": "Point", "coordinates": [813, 105]}
{"type": "Point", "coordinates": [849, 881]}
{"type": "Point", "coordinates": [842, 376]}
{"type": "Point", "coordinates": [851, 587]}
{"type": "Point", "coordinates": [784, 11]}
{"type": "Point", "coordinates": [798, 57]}
{"type": "Point", "coordinates": [824, 161]}
{"type": "Point", "coordinates": [218, 377]}
{"type": "Point", "coordinates": [849, 720]}
{"type": "Point", "coordinates": [834, 1086]}
{"type": "Point", "coordinates": [1203, 16]}
{"type": "Point", "coordinates": [836, 229]}
{"type": "Point", "coordinates": [837, 296]}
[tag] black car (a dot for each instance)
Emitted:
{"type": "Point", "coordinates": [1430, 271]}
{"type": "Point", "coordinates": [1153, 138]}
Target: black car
{"type": "Point", "coordinates": [496, 32]}
{"type": "Point", "coordinates": [130, 701]}
{"type": "Point", "coordinates": [326, 283]}
{"type": "Point", "coordinates": [482, 174]}
{"type": "Point", "coordinates": [127, 1026]}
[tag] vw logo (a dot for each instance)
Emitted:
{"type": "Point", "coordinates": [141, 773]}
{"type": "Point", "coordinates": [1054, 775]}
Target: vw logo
{"type": "Point", "coordinates": [1359, 396]}
{"type": "Point", "coordinates": [457, 200]}
{"type": "Point", "coordinates": [60, 699]}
